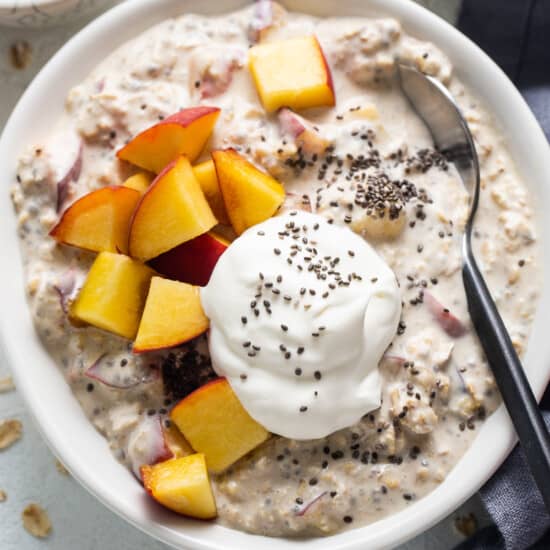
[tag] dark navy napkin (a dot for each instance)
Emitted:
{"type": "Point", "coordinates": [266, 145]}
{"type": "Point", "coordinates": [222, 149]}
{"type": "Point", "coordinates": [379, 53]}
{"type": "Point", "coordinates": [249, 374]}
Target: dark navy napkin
{"type": "Point", "coordinates": [516, 34]}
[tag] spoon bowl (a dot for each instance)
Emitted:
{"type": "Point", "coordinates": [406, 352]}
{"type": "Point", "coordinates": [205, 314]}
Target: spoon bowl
{"type": "Point", "coordinates": [437, 108]}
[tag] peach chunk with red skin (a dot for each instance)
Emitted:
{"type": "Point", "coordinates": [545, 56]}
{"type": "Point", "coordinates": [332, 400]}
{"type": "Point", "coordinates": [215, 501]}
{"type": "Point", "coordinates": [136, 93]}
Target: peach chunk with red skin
{"type": "Point", "coordinates": [172, 315]}
{"type": "Point", "coordinates": [173, 210]}
{"type": "Point", "coordinates": [183, 133]}
{"type": "Point", "coordinates": [292, 73]}
{"type": "Point", "coordinates": [181, 485]}
{"type": "Point", "coordinates": [250, 195]}
{"type": "Point", "coordinates": [98, 221]}
{"type": "Point", "coordinates": [193, 261]}
{"type": "Point", "coordinates": [304, 133]}
{"type": "Point", "coordinates": [215, 423]}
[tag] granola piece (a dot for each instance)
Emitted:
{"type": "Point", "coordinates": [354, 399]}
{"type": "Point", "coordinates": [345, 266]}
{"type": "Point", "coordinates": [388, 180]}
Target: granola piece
{"type": "Point", "coordinates": [3, 496]}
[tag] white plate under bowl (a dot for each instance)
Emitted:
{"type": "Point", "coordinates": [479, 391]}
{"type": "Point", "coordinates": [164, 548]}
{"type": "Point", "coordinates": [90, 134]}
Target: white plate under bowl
{"type": "Point", "coordinates": [57, 412]}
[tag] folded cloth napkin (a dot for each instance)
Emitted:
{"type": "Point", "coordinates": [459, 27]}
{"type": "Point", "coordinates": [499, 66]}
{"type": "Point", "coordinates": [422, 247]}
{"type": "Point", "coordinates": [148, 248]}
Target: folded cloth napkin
{"type": "Point", "coordinates": [516, 34]}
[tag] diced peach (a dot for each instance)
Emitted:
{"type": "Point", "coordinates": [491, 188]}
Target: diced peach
{"type": "Point", "coordinates": [368, 112]}
{"type": "Point", "coordinates": [293, 73]}
{"type": "Point", "coordinates": [172, 211]}
{"type": "Point", "coordinates": [173, 314]}
{"type": "Point", "coordinates": [140, 181]}
{"type": "Point", "coordinates": [205, 172]}
{"type": "Point", "coordinates": [306, 136]}
{"type": "Point", "coordinates": [250, 195]}
{"type": "Point", "coordinates": [215, 423]}
{"type": "Point", "coordinates": [193, 261]}
{"type": "Point", "coordinates": [182, 485]}
{"type": "Point", "coordinates": [175, 442]}
{"type": "Point", "coordinates": [380, 225]}
{"type": "Point", "coordinates": [99, 220]}
{"type": "Point", "coordinates": [184, 133]}
{"type": "Point", "coordinates": [113, 294]}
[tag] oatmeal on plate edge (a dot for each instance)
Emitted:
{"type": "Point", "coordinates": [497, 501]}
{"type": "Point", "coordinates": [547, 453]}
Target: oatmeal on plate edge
{"type": "Point", "coordinates": [243, 251]}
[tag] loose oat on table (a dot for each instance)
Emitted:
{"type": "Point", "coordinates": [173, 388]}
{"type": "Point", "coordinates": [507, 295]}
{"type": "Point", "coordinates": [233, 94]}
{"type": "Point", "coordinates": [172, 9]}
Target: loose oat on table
{"type": "Point", "coordinates": [381, 176]}
{"type": "Point", "coordinates": [3, 495]}
{"type": "Point", "coordinates": [6, 384]}
{"type": "Point", "coordinates": [466, 525]}
{"type": "Point", "coordinates": [36, 521]}
{"type": "Point", "coordinates": [10, 432]}
{"type": "Point", "coordinates": [61, 468]}
{"type": "Point", "coordinates": [20, 54]}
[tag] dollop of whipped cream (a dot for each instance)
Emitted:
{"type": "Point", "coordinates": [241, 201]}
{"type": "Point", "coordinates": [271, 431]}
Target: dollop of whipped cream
{"type": "Point", "coordinates": [301, 312]}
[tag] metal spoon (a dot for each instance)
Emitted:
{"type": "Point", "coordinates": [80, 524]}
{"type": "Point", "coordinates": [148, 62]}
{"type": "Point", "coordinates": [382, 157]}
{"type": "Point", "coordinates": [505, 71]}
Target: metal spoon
{"type": "Point", "coordinates": [439, 111]}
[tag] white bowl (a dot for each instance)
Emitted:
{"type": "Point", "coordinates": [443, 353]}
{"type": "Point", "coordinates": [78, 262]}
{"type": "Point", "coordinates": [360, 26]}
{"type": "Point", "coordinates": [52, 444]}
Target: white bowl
{"type": "Point", "coordinates": [58, 414]}
{"type": "Point", "coordinates": [42, 13]}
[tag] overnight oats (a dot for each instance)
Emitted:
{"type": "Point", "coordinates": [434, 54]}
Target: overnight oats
{"type": "Point", "coordinates": [244, 252]}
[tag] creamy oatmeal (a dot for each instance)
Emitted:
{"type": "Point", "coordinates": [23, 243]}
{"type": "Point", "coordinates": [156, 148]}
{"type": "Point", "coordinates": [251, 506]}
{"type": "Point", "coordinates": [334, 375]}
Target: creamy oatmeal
{"type": "Point", "coordinates": [371, 166]}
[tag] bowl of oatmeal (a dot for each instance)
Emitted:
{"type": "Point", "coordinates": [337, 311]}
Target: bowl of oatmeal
{"type": "Point", "coordinates": [235, 292]}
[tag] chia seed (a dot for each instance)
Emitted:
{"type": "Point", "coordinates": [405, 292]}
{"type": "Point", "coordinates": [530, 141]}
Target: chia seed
{"type": "Point", "coordinates": [347, 519]}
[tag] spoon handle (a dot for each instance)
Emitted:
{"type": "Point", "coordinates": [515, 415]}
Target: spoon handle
{"type": "Point", "coordinates": [510, 376]}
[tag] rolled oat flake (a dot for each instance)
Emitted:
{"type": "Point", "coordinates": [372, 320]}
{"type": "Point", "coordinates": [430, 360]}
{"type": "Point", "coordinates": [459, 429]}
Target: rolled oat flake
{"type": "Point", "coordinates": [36, 521]}
{"type": "Point", "coordinates": [10, 432]}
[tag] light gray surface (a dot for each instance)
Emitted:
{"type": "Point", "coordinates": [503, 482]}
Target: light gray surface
{"type": "Point", "coordinates": [27, 470]}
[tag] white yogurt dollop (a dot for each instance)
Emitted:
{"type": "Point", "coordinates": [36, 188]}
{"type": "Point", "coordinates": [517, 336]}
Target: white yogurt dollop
{"type": "Point", "coordinates": [301, 312]}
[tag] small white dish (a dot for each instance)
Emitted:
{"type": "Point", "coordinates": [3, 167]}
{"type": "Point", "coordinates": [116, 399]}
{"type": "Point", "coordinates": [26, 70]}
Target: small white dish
{"type": "Point", "coordinates": [58, 415]}
{"type": "Point", "coordinates": [43, 13]}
